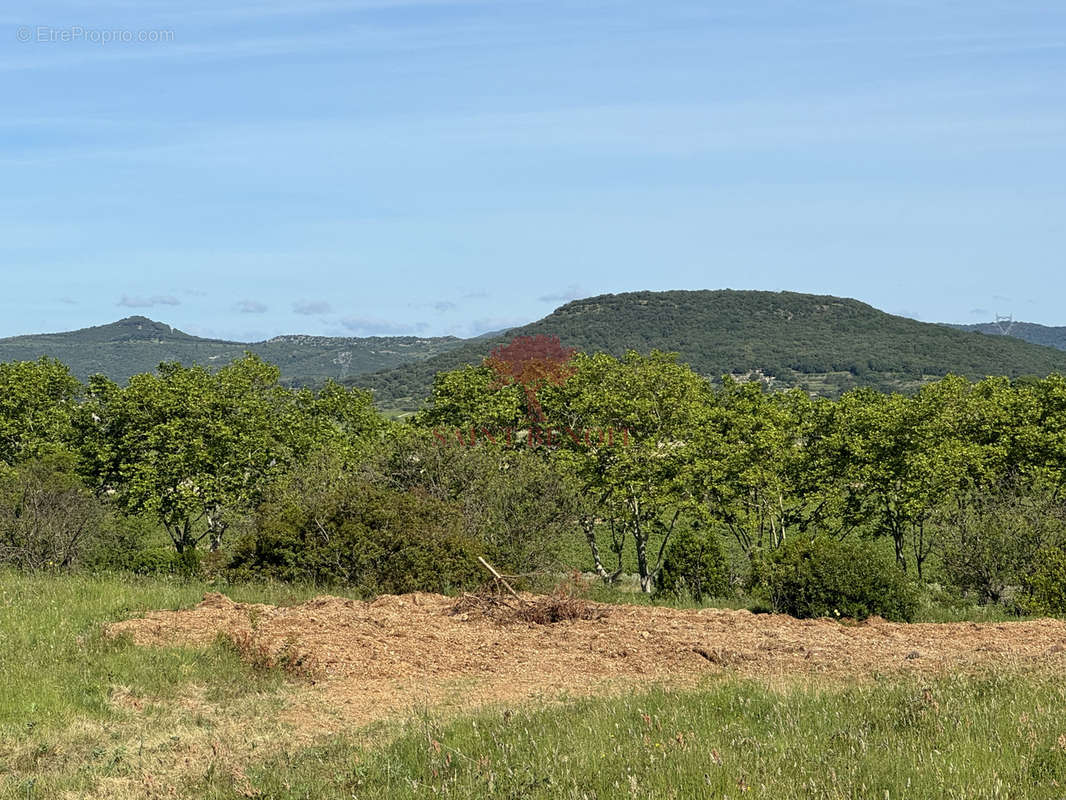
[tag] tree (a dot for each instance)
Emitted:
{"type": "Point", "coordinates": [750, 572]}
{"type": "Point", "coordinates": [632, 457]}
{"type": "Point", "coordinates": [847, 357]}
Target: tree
{"type": "Point", "coordinates": [628, 427]}
{"type": "Point", "coordinates": [995, 538]}
{"type": "Point", "coordinates": [904, 457]}
{"type": "Point", "coordinates": [37, 402]}
{"type": "Point", "coordinates": [188, 445]}
{"type": "Point", "coordinates": [471, 402]}
{"type": "Point", "coordinates": [759, 465]}
{"type": "Point", "coordinates": [532, 362]}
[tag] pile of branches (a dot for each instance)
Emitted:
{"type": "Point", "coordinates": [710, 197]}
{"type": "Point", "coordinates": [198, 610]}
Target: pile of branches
{"type": "Point", "coordinates": [497, 600]}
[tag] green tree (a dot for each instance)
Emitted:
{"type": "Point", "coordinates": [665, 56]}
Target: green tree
{"type": "Point", "coordinates": [37, 402]}
{"type": "Point", "coordinates": [471, 403]}
{"type": "Point", "coordinates": [627, 430]}
{"type": "Point", "coordinates": [190, 446]}
{"type": "Point", "coordinates": [759, 464]}
{"type": "Point", "coordinates": [905, 457]}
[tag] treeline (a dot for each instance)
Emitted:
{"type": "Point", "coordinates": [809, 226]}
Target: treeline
{"type": "Point", "coordinates": [232, 474]}
{"type": "Point", "coordinates": [969, 474]}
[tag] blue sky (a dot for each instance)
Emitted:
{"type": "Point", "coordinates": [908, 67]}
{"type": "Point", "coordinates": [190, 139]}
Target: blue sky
{"type": "Point", "coordinates": [383, 166]}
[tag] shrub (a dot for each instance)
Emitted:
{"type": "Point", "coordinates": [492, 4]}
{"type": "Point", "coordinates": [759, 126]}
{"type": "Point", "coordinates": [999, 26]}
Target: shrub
{"type": "Point", "coordinates": [694, 565]}
{"type": "Point", "coordinates": [519, 507]}
{"type": "Point", "coordinates": [1047, 585]}
{"type": "Point", "coordinates": [330, 527]}
{"type": "Point", "coordinates": [122, 546]}
{"type": "Point", "coordinates": [824, 577]}
{"type": "Point", "coordinates": [47, 516]}
{"type": "Point", "coordinates": [992, 542]}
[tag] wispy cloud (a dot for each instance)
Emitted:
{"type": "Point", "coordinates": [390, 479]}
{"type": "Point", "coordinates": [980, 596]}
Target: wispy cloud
{"type": "Point", "coordinates": [571, 292]}
{"type": "Point", "coordinates": [68, 301]}
{"type": "Point", "coordinates": [369, 326]}
{"type": "Point", "coordinates": [251, 307]}
{"type": "Point", "coordinates": [980, 312]}
{"type": "Point", "coordinates": [311, 307]}
{"type": "Point", "coordinates": [138, 301]}
{"type": "Point", "coordinates": [444, 305]}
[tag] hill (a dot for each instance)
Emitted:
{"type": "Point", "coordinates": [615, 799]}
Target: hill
{"type": "Point", "coordinates": [1026, 331]}
{"type": "Point", "coordinates": [823, 343]}
{"type": "Point", "coordinates": [138, 344]}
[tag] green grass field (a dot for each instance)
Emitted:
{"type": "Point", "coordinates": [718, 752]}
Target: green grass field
{"type": "Point", "coordinates": [84, 716]}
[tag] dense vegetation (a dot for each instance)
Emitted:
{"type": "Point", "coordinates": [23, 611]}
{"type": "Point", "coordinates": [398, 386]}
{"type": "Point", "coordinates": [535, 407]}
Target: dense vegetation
{"type": "Point", "coordinates": [137, 344]}
{"type": "Point", "coordinates": [822, 343]}
{"type": "Point", "coordinates": [523, 458]}
{"type": "Point", "coordinates": [887, 504]}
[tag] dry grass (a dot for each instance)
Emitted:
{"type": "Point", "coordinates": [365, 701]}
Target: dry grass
{"type": "Point", "coordinates": [263, 655]}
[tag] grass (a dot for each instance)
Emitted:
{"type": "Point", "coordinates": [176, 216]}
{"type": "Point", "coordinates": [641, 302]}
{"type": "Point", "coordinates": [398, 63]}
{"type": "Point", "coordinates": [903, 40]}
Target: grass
{"type": "Point", "coordinates": [85, 716]}
{"type": "Point", "coordinates": [963, 737]}
{"type": "Point", "coordinates": [74, 704]}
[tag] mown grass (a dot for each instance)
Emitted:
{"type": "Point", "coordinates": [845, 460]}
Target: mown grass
{"type": "Point", "coordinates": [993, 736]}
{"type": "Point", "coordinates": [85, 716]}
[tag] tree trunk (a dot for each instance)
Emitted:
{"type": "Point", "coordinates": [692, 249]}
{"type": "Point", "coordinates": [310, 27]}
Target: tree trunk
{"type": "Point", "coordinates": [588, 524]}
{"type": "Point", "coordinates": [646, 580]}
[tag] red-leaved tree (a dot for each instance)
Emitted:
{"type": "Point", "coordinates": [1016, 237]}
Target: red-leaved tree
{"type": "Point", "coordinates": [532, 362]}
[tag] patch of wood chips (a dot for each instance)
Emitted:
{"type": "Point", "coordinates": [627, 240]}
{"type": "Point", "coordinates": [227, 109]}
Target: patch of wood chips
{"type": "Point", "coordinates": [382, 658]}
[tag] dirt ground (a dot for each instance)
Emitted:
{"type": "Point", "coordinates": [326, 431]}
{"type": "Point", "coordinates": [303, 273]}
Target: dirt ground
{"type": "Point", "coordinates": [379, 659]}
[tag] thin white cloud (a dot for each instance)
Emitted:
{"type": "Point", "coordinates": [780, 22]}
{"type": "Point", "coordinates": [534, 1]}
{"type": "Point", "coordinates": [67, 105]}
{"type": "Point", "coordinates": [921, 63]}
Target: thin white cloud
{"type": "Point", "coordinates": [311, 307]}
{"type": "Point", "coordinates": [571, 292]}
{"type": "Point", "coordinates": [369, 326]}
{"type": "Point", "coordinates": [251, 307]}
{"type": "Point", "coordinates": [139, 301]}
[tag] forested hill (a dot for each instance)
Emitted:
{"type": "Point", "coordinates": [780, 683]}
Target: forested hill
{"type": "Point", "coordinates": [822, 342]}
{"type": "Point", "coordinates": [138, 344]}
{"type": "Point", "coordinates": [1027, 331]}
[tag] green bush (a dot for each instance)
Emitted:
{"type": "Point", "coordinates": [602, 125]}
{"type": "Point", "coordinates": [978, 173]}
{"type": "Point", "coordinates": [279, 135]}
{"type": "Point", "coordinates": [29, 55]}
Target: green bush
{"type": "Point", "coordinates": [329, 527]}
{"type": "Point", "coordinates": [153, 561]}
{"type": "Point", "coordinates": [1047, 585]}
{"type": "Point", "coordinates": [824, 577]}
{"type": "Point", "coordinates": [694, 565]}
{"type": "Point", "coordinates": [520, 508]}
{"type": "Point", "coordinates": [992, 542]}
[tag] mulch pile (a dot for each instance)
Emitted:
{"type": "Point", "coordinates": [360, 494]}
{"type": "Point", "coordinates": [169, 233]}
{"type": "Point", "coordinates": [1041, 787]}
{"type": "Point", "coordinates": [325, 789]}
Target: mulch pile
{"type": "Point", "coordinates": [383, 657]}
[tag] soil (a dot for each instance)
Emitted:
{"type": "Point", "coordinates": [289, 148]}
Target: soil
{"type": "Point", "coordinates": [382, 658]}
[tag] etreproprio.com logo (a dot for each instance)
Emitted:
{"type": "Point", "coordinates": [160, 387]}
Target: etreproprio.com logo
{"type": "Point", "coordinates": [51, 34]}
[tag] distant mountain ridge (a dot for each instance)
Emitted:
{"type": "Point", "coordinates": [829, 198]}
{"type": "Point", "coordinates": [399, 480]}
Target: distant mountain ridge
{"type": "Point", "coordinates": [138, 344]}
{"type": "Point", "coordinates": [824, 343]}
{"type": "Point", "coordinates": [1047, 335]}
